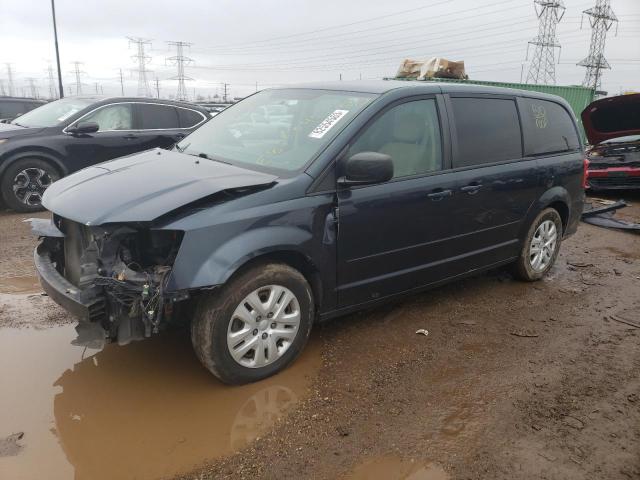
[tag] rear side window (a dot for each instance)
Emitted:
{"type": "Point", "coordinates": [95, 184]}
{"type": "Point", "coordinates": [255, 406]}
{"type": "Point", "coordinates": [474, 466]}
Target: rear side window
{"type": "Point", "coordinates": [488, 131]}
{"type": "Point", "coordinates": [189, 118]}
{"type": "Point", "coordinates": [548, 127]}
{"type": "Point", "coordinates": [156, 117]}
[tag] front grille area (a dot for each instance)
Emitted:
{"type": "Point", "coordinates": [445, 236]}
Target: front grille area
{"type": "Point", "coordinates": [621, 182]}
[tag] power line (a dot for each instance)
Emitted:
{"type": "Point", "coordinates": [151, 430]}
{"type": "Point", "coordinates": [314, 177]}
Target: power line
{"type": "Point", "coordinates": [601, 18]}
{"type": "Point", "coordinates": [543, 68]}
{"type": "Point", "coordinates": [180, 60]}
{"type": "Point", "coordinates": [142, 59]}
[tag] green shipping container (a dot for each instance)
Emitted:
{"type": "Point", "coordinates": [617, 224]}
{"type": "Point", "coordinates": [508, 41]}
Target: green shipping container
{"type": "Point", "coordinates": [577, 97]}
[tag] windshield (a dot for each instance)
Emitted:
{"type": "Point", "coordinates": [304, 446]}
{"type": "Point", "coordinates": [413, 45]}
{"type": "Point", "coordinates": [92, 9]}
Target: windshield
{"type": "Point", "coordinates": [279, 129]}
{"type": "Point", "coordinates": [53, 113]}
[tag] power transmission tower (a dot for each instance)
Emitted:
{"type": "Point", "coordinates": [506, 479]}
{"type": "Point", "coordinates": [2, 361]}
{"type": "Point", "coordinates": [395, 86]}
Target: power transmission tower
{"type": "Point", "coordinates": [10, 79]}
{"type": "Point", "coordinates": [543, 66]}
{"type": "Point", "coordinates": [77, 73]}
{"type": "Point", "coordinates": [33, 88]}
{"type": "Point", "coordinates": [601, 18]}
{"type": "Point", "coordinates": [3, 92]}
{"type": "Point", "coordinates": [157, 82]}
{"type": "Point", "coordinates": [180, 61]}
{"type": "Point", "coordinates": [52, 83]}
{"type": "Point", "coordinates": [225, 94]}
{"type": "Point", "coordinates": [142, 59]}
{"type": "Point", "coordinates": [121, 82]}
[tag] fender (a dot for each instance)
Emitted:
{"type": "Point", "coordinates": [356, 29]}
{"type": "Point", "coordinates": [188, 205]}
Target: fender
{"type": "Point", "coordinates": [192, 272]}
{"type": "Point", "coordinates": [45, 154]}
{"type": "Point", "coordinates": [553, 195]}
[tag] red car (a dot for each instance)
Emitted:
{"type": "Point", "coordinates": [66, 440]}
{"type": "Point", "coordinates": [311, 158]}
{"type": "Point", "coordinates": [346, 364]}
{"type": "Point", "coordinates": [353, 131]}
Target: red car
{"type": "Point", "coordinates": [612, 126]}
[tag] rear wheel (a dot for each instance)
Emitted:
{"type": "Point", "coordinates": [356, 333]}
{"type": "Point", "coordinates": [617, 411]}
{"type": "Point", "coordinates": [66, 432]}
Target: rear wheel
{"type": "Point", "coordinates": [255, 325]}
{"type": "Point", "coordinates": [25, 181]}
{"type": "Point", "coordinates": [541, 246]}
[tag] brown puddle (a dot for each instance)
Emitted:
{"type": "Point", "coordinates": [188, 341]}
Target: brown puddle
{"type": "Point", "coordinates": [19, 285]}
{"type": "Point", "coordinates": [394, 468]}
{"type": "Point", "coordinates": [144, 411]}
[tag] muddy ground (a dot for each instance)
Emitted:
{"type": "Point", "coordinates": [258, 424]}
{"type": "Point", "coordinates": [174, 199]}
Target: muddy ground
{"type": "Point", "coordinates": [513, 381]}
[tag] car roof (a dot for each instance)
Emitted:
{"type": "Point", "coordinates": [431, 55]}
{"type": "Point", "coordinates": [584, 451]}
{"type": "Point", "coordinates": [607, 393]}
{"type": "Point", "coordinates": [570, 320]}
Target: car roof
{"type": "Point", "coordinates": [103, 99]}
{"type": "Point", "coordinates": [381, 87]}
{"type": "Point", "coordinates": [22, 99]}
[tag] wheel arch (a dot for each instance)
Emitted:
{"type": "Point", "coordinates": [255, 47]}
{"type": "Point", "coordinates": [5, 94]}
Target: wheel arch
{"type": "Point", "coordinates": [40, 154]}
{"type": "Point", "coordinates": [557, 198]}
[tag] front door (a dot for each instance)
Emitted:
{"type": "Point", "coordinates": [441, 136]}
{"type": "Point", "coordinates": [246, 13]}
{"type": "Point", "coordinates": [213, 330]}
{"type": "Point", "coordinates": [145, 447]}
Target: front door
{"type": "Point", "coordinates": [390, 236]}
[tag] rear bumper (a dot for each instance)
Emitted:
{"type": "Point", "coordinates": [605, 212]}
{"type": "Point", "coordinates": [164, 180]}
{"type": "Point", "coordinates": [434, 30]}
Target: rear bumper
{"type": "Point", "coordinates": [614, 178]}
{"type": "Point", "coordinates": [88, 304]}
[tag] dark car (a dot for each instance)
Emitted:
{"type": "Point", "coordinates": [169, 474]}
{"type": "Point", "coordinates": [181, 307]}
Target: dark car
{"type": "Point", "coordinates": [612, 126]}
{"type": "Point", "coordinates": [67, 135]}
{"type": "Point", "coordinates": [12, 107]}
{"type": "Point", "coordinates": [254, 231]}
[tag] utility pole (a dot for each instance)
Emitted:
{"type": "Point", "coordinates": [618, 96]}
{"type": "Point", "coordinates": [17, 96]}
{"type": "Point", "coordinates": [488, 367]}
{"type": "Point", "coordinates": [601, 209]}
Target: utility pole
{"type": "Point", "coordinates": [142, 59]}
{"type": "Point", "coordinates": [225, 94]}
{"type": "Point", "coordinates": [77, 73]}
{"type": "Point", "coordinates": [33, 88]}
{"type": "Point", "coordinates": [55, 36]}
{"type": "Point", "coordinates": [51, 83]}
{"type": "Point", "coordinates": [98, 88]}
{"type": "Point", "coordinates": [157, 81]}
{"type": "Point", "coordinates": [10, 79]}
{"type": "Point", "coordinates": [601, 19]}
{"type": "Point", "coordinates": [543, 66]}
{"type": "Point", "coordinates": [180, 61]}
{"type": "Point", "coordinates": [3, 92]}
{"type": "Point", "coordinates": [121, 83]}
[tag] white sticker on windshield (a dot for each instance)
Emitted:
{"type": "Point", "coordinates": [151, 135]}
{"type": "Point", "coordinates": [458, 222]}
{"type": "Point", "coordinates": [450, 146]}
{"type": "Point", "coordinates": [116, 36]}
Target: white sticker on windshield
{"type": "Point", "coordinates": [328, 123]}
{"type": "Point", "coordinates": [67, 115]}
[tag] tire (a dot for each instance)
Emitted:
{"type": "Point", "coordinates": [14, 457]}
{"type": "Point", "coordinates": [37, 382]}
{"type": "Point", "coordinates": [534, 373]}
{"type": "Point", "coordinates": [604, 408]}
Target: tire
{"type": "Point", "coordinates": [530, 267]}
{"type": "Point", "coordinates": [35, 175]}
{"type": "Point", "coordinates": [217, 328]}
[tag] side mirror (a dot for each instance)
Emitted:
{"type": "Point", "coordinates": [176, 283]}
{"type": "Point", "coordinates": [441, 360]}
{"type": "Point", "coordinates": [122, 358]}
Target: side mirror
{"type": "Point", "coordinates": [84, 127]}
{"type": "Point", "coordinates": [367, 168]}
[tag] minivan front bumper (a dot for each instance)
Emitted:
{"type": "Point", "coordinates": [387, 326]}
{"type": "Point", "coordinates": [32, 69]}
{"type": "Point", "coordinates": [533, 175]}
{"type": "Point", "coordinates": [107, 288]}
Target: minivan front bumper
{"type": "Point", "coordinates": [88, 305]}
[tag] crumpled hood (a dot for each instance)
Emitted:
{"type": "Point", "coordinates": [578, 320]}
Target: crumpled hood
{"type": "Point", "coordinates": [612, 117]}
{"type": "Point", "coordinates": [142, 187]}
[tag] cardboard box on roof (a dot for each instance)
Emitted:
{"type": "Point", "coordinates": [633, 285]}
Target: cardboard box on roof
{"type": "Point", "coordinates": [435, 67]}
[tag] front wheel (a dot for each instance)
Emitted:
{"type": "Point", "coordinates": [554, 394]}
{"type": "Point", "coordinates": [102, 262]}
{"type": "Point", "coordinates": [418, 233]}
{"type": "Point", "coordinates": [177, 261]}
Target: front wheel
{"type": "Point", "coordinates": [541, 246]}
{"type": "Point", "coordinates": [255, 325]}
{"type": "Point", "coordinates": [24, 183]}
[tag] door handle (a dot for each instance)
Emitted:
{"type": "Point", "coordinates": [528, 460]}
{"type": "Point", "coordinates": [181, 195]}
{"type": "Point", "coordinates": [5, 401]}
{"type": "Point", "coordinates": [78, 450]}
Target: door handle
{"type": "Point", "coordinates": [439, 195]}
{"type": "Point", "coordinates": [130, 136]}
{"type": "Point", "coordinates": [471, 189]}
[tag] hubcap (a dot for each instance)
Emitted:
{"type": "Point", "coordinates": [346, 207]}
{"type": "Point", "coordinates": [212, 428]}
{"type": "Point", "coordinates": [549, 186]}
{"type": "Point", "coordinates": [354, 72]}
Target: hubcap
{"type": "Point", "coordinates": [543, 245]}
{"type": "Point", "coordinates": [29, 185]}
{"type": "Point", "coordinates": [263, 326]}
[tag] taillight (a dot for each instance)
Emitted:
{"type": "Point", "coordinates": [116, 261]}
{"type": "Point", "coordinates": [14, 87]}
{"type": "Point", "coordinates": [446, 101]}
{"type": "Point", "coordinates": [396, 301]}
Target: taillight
{"type": "Point", "coordinates": [585, 173]}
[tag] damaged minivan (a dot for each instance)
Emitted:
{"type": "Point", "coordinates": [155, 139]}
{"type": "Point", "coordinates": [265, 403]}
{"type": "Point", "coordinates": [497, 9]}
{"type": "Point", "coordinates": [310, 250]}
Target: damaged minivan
{"type": "Point", "coordinates": [302, 204]}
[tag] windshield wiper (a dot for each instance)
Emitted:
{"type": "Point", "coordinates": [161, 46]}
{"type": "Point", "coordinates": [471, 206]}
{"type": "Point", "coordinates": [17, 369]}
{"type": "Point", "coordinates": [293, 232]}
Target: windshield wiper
{"type": "Point", "coordinates": [182, 149]}
{"type": "Point", "coordinates": [203, 155]}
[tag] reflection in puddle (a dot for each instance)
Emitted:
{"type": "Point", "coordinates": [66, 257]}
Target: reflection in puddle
{"type": "Point", "coordinates": [395, 468]}
{"type": "Point", "coordinates": [19, 285]}
{"type": "Point", "coordinates": [144, 411]}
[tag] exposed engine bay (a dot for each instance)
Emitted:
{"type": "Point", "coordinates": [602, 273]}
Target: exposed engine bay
{"type": "Point", "coordinates": [122, 270]}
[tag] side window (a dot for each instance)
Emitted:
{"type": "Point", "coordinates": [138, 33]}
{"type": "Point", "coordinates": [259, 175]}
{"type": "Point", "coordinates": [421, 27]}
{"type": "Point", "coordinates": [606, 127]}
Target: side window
{"type": "Point", "coordinates": [189, 118]}
{"type": "Point", "coordinates": [488, 131]}
{"type": "Point", "coordinates": [156, 117]}
{"type": "Point", "coordinates": [112, 117]}
{"type": "Point", "coordinates": [409, 133]}
{"type": "Point", "coordinates": [548, 127]}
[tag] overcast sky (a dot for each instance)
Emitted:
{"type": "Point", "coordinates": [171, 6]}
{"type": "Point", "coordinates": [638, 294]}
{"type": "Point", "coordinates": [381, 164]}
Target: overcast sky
{"type": "Point", "coordinates": [275, 42]}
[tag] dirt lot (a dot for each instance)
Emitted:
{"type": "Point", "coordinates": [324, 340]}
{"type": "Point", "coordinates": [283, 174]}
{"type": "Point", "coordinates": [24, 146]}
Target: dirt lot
{"type": "Point", "coordinates": [513, 381]}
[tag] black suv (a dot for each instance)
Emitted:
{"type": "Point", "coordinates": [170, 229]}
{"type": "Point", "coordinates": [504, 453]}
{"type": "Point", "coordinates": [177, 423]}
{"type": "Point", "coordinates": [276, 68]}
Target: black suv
{"type": "Point", "coordinates": [61, 137]}
{"type": "Point", "coordinates": [12, 107]}
{"type": "Point", "coordinates": [352, 194]}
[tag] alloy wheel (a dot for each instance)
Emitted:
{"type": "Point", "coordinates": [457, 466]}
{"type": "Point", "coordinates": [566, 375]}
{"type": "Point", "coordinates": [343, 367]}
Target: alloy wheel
{"type": "Point", "coordinates": [543, 246]}
{"type": "Point", "coordinates": [29, 185]}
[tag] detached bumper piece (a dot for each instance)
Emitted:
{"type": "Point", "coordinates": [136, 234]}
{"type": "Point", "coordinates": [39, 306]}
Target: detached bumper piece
{"type": "Point", "coordinates": [89, 305]}
{"type": "Point", "coordinates": [604, 216]}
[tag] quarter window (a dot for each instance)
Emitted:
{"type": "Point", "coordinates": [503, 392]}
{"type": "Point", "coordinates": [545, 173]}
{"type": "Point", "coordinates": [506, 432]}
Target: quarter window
{"type": "Point", "coordinates": [410, 134]}
{"type": "Point", "coordinates": [157, 117]}
{"type": "Point", "coordinates": [488, 131]}
{"type": "Point", "coordinates": [548, 127]}
{"type": "Point", "coordinates": [112, 117]}
{"type": "Point", "coordinates": [189, 118]}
